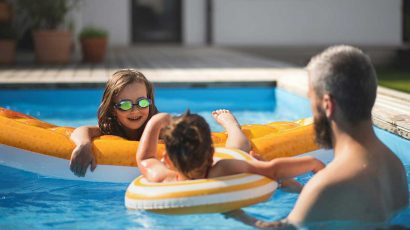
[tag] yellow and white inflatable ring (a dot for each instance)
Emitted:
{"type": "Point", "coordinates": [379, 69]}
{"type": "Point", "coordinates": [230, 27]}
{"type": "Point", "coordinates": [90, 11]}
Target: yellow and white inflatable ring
{"type": "Point", "coordinates": [220, 194]}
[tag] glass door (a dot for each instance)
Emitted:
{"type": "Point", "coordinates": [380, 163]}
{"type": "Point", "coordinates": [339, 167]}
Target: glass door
{"type": "Point", "coordinates": [156, 21]}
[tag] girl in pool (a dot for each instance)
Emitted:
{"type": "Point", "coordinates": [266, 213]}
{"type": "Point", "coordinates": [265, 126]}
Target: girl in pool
{"type": "Point", "coordinates": [189, 151]}
{"type": "Point", "coordinates": [126, 107]}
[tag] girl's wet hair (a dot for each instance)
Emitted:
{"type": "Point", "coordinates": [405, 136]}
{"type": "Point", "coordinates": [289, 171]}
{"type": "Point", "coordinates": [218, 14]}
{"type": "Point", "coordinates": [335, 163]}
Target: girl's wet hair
{"type": "Point", "coordinates": [106, 119]}
{"type": "Point", "coordinates": [189, 145]}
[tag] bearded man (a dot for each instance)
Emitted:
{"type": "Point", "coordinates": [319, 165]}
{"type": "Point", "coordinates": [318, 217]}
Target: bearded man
{"type": "Point", "coordinates": [365, 181]}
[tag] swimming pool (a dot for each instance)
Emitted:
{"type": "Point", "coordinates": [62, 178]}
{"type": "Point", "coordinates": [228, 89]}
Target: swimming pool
{"type": "Point", "coordinates": [29, 200]}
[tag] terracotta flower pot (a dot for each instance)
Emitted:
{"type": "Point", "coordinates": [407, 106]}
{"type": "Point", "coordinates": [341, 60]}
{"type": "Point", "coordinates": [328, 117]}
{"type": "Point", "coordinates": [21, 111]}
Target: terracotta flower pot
{"type": "Point", "coordinates": [52, 46]}
{"type": "Point", "coordinates": [7, 51]}
{"type": "Point", "coordinates": [94, 49]}
{"type": "Point", "coordinates": [5, 12]}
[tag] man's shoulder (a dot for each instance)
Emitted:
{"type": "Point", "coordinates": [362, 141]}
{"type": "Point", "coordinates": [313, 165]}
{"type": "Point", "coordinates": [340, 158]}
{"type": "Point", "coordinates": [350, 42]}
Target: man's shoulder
{"type": "Point", "coordinates": [319, 185]}
{"type": "Point", "coordinates": [319, 189]}
{"type": "Point", "coordinates": [328, 181]}
{"type": "Point", "coordinates": [327, 195]}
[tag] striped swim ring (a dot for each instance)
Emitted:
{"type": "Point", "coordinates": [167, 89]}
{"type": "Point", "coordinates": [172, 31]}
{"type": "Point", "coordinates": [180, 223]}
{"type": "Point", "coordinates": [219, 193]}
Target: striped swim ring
{"type": "Point", "coordinates": [219, 194]}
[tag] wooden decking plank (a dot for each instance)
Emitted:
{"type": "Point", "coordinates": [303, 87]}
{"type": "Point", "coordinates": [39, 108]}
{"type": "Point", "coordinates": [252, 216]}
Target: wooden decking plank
{"type": "Point", "coordinates": [21, 74]}
{"type": "Point", "coordinates": [49, 73]}
{"type": "Point", "coordinates": [83, 73]}
{"type": "Point", "coordinates": [99, 73]}
{"type": "Point", "coordinates": [392, 104]}
{"type": "Point", "coordinates": [66, 73]}
{"type": "Point", "coordinates": [7, 73]}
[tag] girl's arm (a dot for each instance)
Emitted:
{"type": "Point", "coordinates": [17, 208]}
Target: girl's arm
{"type": "Point", "coordinates": [85, 134]}
{"type": "Point", "coordinates": [150, 167]}
{"type": "Point", "coordinates": [276, 169]}
{"type": "Point", "coordinates": [82, 155]}
{"type": "Point", "coordinates": [289, 167]}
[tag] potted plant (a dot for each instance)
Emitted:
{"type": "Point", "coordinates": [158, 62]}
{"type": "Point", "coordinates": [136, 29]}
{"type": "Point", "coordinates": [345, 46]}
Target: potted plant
{"type": "Point", "coordinates": [52, 42]}
{"type": "Point", "coordinates": [93, 44]}
{"type": "Point", "coordinates": [7, 44]}
{"type": "Point", "coordinates": [5, 11]}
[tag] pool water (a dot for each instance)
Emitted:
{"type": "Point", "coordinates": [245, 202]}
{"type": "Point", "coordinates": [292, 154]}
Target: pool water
{"type": "Point", "coordinates": [32, 201]}
{"type": "Point", "coordinates": [77, 107]}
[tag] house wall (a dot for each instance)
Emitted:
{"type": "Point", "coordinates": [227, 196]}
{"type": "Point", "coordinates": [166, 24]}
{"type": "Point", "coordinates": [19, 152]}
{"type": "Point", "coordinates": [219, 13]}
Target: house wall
{"type": "Point", "coordinates": [193, 22]}
{"type": "Point", "coordinates": [307, 22]}
{"type": "Point", "coordinates": [264, 22]}
{"type": "Point", "coordinates": [112, 15]}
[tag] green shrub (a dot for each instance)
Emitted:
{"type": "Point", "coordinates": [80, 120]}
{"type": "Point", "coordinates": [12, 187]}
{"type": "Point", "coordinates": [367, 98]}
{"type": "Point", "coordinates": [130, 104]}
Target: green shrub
{"type": "Point", "coordinates": [45, 14]}
{"type": "Point", "coordinates": [93, 32]}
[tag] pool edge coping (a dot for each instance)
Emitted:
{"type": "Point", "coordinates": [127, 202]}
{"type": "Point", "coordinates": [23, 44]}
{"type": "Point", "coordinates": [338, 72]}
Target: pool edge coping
{"type": "Point", "coordinates": [292, 80]}
{"type": "Point", "coordinates": [384, 116]}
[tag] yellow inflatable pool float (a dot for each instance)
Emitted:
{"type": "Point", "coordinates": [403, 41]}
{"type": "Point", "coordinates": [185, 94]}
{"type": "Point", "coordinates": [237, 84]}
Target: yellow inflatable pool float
{"type": "Point", "coordinates": [219, 194]}
{"type": "Point", "coordinates": [276, 139]}
{"type": "Point", "coordinates": [33, 145]}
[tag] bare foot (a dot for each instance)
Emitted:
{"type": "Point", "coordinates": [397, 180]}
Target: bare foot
{"type": "Point", "coordinates": [225, 118]}
{"type": "Point", "coordinates": [236, 138]}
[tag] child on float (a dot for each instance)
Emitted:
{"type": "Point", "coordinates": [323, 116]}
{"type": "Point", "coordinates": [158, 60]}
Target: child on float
{"type": "Point", "coordinates": [189, 151]}
{"type": "Point", "coordinates": [126, 106]}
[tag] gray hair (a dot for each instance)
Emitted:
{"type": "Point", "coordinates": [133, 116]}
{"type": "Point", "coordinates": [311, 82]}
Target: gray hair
{"type": "Point", "coordinates": [347, 74]}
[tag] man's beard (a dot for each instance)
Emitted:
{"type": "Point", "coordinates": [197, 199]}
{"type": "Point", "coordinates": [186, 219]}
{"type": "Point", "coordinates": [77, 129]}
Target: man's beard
{"type": "Point", "coordinates": [323, 132]}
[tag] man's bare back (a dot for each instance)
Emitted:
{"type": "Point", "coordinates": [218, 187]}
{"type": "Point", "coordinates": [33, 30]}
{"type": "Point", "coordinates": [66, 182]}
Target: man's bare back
{"type": "Point", "coordinates": [360, 185]}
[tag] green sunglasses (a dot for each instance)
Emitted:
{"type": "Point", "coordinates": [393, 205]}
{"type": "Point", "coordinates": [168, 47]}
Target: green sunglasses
{"type": "Point", "coordinates": [126, 105]}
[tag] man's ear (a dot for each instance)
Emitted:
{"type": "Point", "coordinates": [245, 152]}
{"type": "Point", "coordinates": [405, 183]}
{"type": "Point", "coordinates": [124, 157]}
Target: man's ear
{"type": "Point", "coordinates": [328, 105]}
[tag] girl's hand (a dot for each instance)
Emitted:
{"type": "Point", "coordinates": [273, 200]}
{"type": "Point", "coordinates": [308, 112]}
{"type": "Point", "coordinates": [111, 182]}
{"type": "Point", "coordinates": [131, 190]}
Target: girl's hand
{"type": "Point", "coordinates": [81, 157]}
{"type": "Point", "coordinates": [162, 119]}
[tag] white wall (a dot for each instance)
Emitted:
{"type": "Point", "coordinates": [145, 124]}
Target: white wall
{"type": "Point", "coordinates": [307, 22]}
{"type": "Point", "coordinates": [264, 22]}
{"type": "Point", "coordinates": [115, 16]}
{"type": "Point", "coordinates": [193, 22]}
{"type": "Point", "coordinates": [112, 15]}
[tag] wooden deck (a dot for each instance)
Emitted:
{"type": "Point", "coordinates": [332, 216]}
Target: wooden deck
{"type": "Point", "coordinates": [158, 63]}
{"type": "Point", "coordinates": [392, 111]}
{"type": "Point", "coordinates": [170, 65]}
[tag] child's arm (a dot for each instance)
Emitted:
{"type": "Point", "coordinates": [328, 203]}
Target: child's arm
{"type": "Point", "coordinates": [289, 167]}
{"type": "Point", "coordinates": [276, 169]}
{"type": "Point", "coordinates": [82, 155]}
{"type": "Point", "coordinates": [150, 167]}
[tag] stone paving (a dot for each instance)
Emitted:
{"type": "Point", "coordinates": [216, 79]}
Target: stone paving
{"type": "Point", "coordinates": [174, 65]}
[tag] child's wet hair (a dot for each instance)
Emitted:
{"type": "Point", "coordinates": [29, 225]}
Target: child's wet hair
{"type": "Point", "coordinates": [189, 145]}
{"type": "Point", "coordinates": [106, 120]}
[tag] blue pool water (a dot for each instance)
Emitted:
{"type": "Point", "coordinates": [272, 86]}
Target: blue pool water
{"type": "Point", "coordinates": [77, 107]}
{"type": "Point", "coordinates": [32, 201]}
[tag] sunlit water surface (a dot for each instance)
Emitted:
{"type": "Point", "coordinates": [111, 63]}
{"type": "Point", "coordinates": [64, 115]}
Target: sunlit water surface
{"type": "Point", "coordinates": [32, 201]}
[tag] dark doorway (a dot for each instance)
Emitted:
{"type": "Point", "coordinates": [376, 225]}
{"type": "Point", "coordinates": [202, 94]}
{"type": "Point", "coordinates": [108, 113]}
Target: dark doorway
{"type": "Point", "coordinates": [406, 21]}
{"type": "Point", "coordinates": [156, 21]}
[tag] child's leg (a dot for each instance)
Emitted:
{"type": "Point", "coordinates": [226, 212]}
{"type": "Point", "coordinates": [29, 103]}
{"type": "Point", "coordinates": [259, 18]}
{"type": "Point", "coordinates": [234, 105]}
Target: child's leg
{"type": "Point", "coordinates": [236, 138]}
